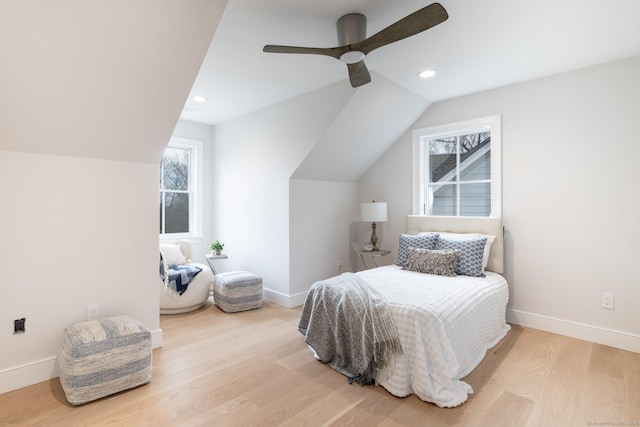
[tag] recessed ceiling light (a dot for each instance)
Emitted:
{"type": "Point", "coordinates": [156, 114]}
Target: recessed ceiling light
{"type": "Point", "coordinates": [427, 73]}
{"type": "Point", "coordinates": [199, 98]}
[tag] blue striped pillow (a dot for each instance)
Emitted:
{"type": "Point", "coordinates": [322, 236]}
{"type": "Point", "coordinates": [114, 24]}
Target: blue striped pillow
{"type": "Point", "coordinates": [420, 241]}
{"type": "Point", "coordinates": [471, 252]}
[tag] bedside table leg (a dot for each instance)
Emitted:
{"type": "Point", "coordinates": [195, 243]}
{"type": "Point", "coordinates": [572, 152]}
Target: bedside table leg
{"type": "Point", "coordinates": [213, 269]}
{"type": "Point", "coordinates": [372, 260]}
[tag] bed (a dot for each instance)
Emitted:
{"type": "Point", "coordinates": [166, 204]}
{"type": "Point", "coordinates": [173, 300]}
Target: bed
{"type": "Point", "coordinates": [445, 325]}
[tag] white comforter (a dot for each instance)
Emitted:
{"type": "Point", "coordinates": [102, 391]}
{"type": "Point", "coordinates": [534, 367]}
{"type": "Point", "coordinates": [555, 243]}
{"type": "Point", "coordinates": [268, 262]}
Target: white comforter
{"type": "Point", "coordinates": [445, 325]}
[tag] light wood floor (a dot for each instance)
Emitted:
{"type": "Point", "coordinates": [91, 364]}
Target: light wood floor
{"type": "Point", "coordinates": [253, 368]}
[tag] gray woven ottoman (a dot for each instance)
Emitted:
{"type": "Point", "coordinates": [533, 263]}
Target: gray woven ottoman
{"type": "Point", "coordinates": [102, 357]}
{"type": "Point", "coordinates": [237, 291]}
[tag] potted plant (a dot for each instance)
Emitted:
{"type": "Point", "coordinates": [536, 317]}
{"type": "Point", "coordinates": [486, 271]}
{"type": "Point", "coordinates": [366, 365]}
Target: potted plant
{"type": "Point", "coordinates": [217, 247]}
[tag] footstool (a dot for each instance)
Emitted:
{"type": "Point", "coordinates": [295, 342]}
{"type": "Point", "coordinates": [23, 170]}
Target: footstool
{"type": "Point", "coordinates": [237, 291]}
{"type": "Point", "coordinates": [102, 357]}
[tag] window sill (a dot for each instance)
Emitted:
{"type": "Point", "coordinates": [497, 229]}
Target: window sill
{"type": "Point", "coordinates": [170, 238]}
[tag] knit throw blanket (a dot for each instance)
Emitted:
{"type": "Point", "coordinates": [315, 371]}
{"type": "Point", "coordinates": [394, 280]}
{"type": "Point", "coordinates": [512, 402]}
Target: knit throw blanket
{"type": "Point", "coordinates": [177, 277]}
{"type": "Point", "coordinates": [349, 325]}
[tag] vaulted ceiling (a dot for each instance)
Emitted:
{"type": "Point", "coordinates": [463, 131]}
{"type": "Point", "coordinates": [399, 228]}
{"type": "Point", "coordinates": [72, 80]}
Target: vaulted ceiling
{"type": "Point", "coordinates": [483, 45]}
{"type": "Point", "coordinates": [107, 79]}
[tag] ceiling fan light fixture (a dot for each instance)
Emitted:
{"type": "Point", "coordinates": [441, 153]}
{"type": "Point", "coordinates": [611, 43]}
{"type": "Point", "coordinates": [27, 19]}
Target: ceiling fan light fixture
{"type": "Point", "coordinates": [352, 57]}
{"type": "Point", "coordinates": [427, 73]}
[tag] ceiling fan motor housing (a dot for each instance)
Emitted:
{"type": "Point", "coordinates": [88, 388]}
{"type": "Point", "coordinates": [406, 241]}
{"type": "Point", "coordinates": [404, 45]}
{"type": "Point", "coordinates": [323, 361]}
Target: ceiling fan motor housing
{"type": "Point", "coordinates": [352, 28]}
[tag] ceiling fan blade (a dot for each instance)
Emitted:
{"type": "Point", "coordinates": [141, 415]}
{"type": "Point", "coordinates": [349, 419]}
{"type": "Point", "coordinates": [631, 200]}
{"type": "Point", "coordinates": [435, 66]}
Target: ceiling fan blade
{"type": "Point", "coordinates": [358, 74]}
{"type": "Point", "coordinates": [408, 26]}
{"type": "Point", "coordinates": [334, 52]}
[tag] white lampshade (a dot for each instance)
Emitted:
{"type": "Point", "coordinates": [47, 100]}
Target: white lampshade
{"type": "Point", "coordinates": [373, 212]}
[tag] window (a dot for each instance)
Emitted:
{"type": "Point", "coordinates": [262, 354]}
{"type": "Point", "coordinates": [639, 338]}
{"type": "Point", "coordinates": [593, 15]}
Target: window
{"type": "Point", "coordinates": [457, 169]}
{"type": "Point", "coordinates": [180, 194]}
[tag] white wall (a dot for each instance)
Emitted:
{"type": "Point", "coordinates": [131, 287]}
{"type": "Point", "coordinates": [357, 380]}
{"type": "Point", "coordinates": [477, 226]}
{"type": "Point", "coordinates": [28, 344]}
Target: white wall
{"type": "Point", "coordinates": [570, 175]}
{"type": "Point", "coordinates": [375, 116]}
{"type": "Point", "coordinates": [389, 180]}
{"type": "Point", "coordinates": [323, 219]}
{"type": "Point", "coordinates": [254, 157]}
{"type": "Point", "coordinates": [75, 232]}
{"type": "Point", "coordinates": [272, 166]}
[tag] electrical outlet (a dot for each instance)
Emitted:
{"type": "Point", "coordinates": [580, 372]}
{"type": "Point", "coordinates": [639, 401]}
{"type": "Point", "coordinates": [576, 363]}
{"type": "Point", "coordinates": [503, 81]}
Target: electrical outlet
{"type": "Point", "coordinates": [19, 326]}
{"type": "Point", "coordinates": [92, 312]}
{"type": "Point", "coordinates": [607, 300]}
{"type": "Point", "coordinates": [339, 265]}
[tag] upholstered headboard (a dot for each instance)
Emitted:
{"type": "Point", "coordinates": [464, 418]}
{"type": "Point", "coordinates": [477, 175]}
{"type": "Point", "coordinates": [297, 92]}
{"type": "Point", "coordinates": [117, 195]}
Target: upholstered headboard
{"type": "Point", "coordinates": [491, 226]}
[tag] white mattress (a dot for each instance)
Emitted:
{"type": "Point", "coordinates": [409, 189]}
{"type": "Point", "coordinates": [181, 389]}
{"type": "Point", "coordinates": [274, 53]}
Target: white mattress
{"type": "Point", "coordinates": [445, 325]}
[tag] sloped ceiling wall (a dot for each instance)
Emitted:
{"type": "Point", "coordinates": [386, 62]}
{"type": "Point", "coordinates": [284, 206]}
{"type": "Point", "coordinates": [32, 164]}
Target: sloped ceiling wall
{"type": "Point", "coordinates": [370, 122]}
{"type": "Point", "coordinates": [103, 79]}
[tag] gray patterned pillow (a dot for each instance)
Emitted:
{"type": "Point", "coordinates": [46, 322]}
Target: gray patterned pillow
{"type": "Point", "coordinates": [471, 251]}
{"type": "Point", "coordinates": [422, 241]}
{"type": "Point", "coordinates": [442, 263]}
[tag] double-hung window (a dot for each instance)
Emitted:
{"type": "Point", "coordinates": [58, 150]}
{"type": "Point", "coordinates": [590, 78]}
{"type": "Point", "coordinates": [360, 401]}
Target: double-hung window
{"type": "Point", "coordinates": [457, 169]}
{"type": "Point", "coordinates": [180, 189]}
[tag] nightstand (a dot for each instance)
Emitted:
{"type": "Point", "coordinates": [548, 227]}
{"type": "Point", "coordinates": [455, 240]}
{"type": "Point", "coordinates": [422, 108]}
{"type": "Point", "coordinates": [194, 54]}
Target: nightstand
{"type": "Point", "coordinates": [372, 256]}
{"type": "Point", "coordinates": [210, 258]}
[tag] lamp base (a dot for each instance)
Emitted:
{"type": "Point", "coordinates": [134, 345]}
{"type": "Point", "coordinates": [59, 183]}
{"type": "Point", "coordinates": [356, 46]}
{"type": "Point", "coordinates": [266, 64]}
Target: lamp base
{"type": "Point", "coordinates": [374, 238]}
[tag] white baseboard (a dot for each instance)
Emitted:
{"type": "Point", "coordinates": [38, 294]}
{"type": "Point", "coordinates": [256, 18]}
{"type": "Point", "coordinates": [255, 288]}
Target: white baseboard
{"type": "Point", "coordinates": [608, 337]}
{"type": "Point", "coordinates": [44, 370]}
{"type": "Point", "coordinates": [28, 374]}
{"type": "Point", "coordinates": [156, 338]}
{"type": "Point", "coordinates": [279, 298]}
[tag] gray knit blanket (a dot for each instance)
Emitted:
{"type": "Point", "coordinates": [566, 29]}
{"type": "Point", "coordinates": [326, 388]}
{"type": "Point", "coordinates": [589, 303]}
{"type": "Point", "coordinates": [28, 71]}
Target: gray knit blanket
{"type": "Point", "coordinates": [349, 325]}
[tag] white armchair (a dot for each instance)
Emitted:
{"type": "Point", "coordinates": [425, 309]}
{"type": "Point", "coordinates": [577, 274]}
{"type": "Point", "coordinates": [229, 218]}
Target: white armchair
{"type": "Point", "coordinates": [198, 291]}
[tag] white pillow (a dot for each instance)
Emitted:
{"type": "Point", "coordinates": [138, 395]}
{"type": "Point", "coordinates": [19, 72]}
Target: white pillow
{"type": "Point", "coordinates": [172, 254]}
{"type": "Point", "coordinates": [464, 236]}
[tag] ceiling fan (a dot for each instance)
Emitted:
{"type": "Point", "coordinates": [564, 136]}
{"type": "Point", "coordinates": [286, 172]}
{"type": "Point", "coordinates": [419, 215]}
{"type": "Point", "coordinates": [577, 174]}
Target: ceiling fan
{"type": "Point", "coordinates": [354, 44]}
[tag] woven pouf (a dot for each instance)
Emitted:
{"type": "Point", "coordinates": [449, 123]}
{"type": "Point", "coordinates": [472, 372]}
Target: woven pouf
{"type": "Point", "coordinates": [237, 291]}
{"type": "Point", "coordinates": [102, 357]}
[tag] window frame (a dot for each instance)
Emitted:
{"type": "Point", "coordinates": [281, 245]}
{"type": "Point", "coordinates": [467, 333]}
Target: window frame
{"type": "Point", "coordinates": [421, 159]}
{"type": "Point", "coordinates": [196, 204]}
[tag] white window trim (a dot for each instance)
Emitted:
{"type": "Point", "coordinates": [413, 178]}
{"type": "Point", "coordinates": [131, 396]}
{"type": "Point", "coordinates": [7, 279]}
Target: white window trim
{"type": "Point", "coordinates": [196, 205]}
{"type": "Point", "coordinates": [494, 123]}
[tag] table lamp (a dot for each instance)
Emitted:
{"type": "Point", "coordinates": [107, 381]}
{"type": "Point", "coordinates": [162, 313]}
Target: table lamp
{"type": "Point", "coordinates": [373, 212]}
